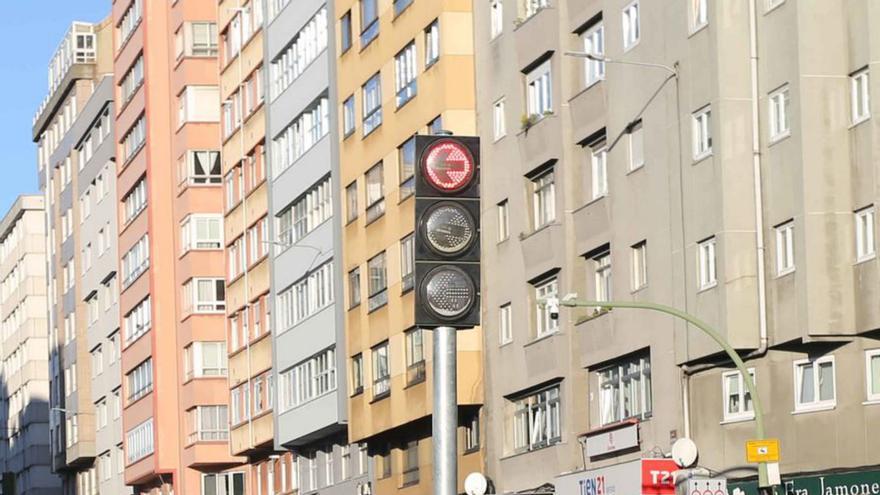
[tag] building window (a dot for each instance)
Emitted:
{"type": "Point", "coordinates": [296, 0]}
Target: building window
{"type": "Point", "coordinates": [594, 43]}
{"type": "Point", "coordinates": [197, 39]}
{"type": "Point", "coordinates": [432, 43]}
{"type": "Point", "coordinates": [135, 201]}
{"type": "Point", "coordinates": [305, 214]}
{"type": "Point", "coordinates": [378, 283]}
{"type": "Point", "coordinates": [140, 380]}
{"type": "Point", "coordinates": [532, 7]}
{"type": "Point", "coordinates": [348, 116]}
{"type": "Point", "coordinates": [410, 475]}
{"type": "Point", "coordinates": [201, 168]}
{"type": "Point", "coordinates": [865, 244]}
{"type": "Point", "coordinates": [472, 432]}
{"type": "Point", "coordinates": [202, 232]}
{"type": "Point", "coordinates": [306, 296]}
{"type": "Point", "coordinates": [435, 126]}
{"type": "Point", "coordinates": [354, 287]}
{"type": "Point", "coordinates": [544, 198]}
{"type": "Point", "coordinates": [138, 321]}
{"type": "Point", "coordinates": [702, 134]}
{"type": "Point", "coordinates": [406, 159]}
{"type": "Point", "coordinates": [872, 368]}
{"type": "Point", "coordinates": [631, 25]}
{"type": "Point", "coordinates": [503, 220]}
{"type": "Point", "coordinates": [198, 104]}
{"type": "Point", "coordinates": [496, 17]}
{"type": "Point", "coordinates": [384, 462]}
{"type": "Point", "coordinates": [139, 441]}
{"type": "Point", "coordinates": [204, 295]}
{"type": "Point", "coordinates": [203, 359]}
{"type": "Point", "coordinates": [405, 71]}
{"type": "Point", "coordinates": [639, 252]}
{"type": "Point", "coordinates": [407, 263]}
{"type": "Point", "coordinates": [369, 21]}
{"type": "Point", "coordinates": [345, 32]}
{"type": "Point", "coordinates": [381, 371]}
{"type": "Point", "coordinates": [131, 19]}
{"type": "Point", "coordinates": [537, 420]}
{"type": "Point", "coordinates": [860, 94]}
{"type": "Point", "coordinates": [636, 146]}
{"type": "Point", "coordinates": [539, 91]}
{"type": "Point", "coordinates": [301, 135]}
{"type": "Point", "coordinates": [706, 261]}
{"type": "Point", "coordinates": [602, 274]}
{"type": "Point", "coordinates": [375, 178]}
{"type": "Point", "coordinates": [785, 248]}
{"type": "Point", "coordinates": [223, 484]}
{"type": "Point", "coordinates": [545, 324]}
{"type": "Point", "coordinates": [371, 94]}
{"type": "Point", "coordinates": [737, 399]}
{"type": "Point", "coordinates": [505, 324]}
{"type": "Point", "coordinates": [309, 380]}
{"type": "Point", "coordinates": [599, 166]}
{"type": "Point", "coordinates": [415, 356]}
{"type": "Point", "coordinates": [296, 57]}
{"type": "Point", "coordinates": [208, 424]}
{"type": "Point", "coordinates": [357, 374]}
{"type": "Point", "coordinates": [699, 14]}
{"type": "Point", "coordinates": [625, 390]}
{"type": "Point", "coordinates": [132, 79]}
{"type": "Point", "coordinates": [136, 261]}
{"type": "Point", "coordinates": [134, 139]}
{"type": "Point", "coordinates": [351, 202]}
{"type": "Point", "coordinates": [814, 382]}
{"type": "Point", "coordinates": [779, 102]}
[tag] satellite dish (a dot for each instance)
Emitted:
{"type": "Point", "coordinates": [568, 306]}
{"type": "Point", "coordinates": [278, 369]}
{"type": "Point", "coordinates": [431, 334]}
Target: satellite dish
{"type": "Point", "coordinates": [475, 484]}
{"type": "Point", "coordinates": [684, 452]}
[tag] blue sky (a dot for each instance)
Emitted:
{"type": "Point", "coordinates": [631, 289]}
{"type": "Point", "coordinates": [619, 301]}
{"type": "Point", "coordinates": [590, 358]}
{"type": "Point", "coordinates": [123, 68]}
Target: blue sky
{"type": "Point", "coordinates": [31, 31]}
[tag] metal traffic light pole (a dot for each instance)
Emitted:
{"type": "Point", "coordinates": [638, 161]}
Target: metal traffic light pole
{"type": "Point", "coordinates": [445, 417]}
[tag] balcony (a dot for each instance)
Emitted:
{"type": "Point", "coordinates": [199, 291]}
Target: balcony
{"type": "Point", "coordinates": [77, 47]}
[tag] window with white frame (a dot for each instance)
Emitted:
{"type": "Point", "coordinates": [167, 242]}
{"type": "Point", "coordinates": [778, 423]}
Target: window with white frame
{"type": "Point", "coordinates": [699, 14]}
{"type": "Point", "coordinates": [780, 103]}
{"type": "Point", "coordinates": [200, 167]}
{"type": "Point", "coordinates": [139, 441]}
{"type": "Point", "coordinates": [737, 399]}
{"type": "Point", "coordinates": [545, 324]}
{"type": "Point", "coordinates": [348, 116]}
{"type": "Point", "coordinates": [306, 46]}
{"type": "Point", "coordinates": [544, 198]}
{"type": "Point", "coordinates": [865, 243]}
{"type": "Point", "coordinates": [208, 423]}
{"type": "Point", "coordinates": [814, 383]}
{"type": "Point", "coordinates": [496, 18]}
{"type": "Point", "coordinates": [702, 132]}
{"type": "Point", "coordinates": [706, 263]}
{"type": "Point", "coordinates": [785, 248]}
{"type": "Point", "coordinates": [594, 43]}
{"type": "Point", "coordinates": [432, 43]}
{"type": "Point", "coordinates": [197, 39]}
{"type": "Point", "coordinates": [872, 370]}
{"type": "Point", "coordinates": [498, 119]}
{"type": "Point", "coordinates": [602, 275]}
{"type": "Point", "coordinates": [202, 231]}
{"type": "Point", "coordinates": [539, 90]}
{"type": "Point", "coordinates": [203, 359]}
{"type": "Point", "coordinates": [204, 295]}
{"type": "Point", "coordinates": [537, 420]}
{"type": "Point", "coordinates": [134, 139]}
{"type": "Point", "coordinates": [625, 389]}
{"type": "Point", "coordinates": [308, 380]}
{"type": "Point", "coordinates": [599, 169]}
{"type": "Point", "coordinates": [639, 254]}
{"type": "Point", "coordinates": [224, 484]}
{"type": "Point", "coordinates": [301, 135]}
{"type": "Point", "coordinates": [505, 324]}
{"type": "Point", "coordinates": [198, 104]}
{"type": "Point", "coordinates": [136, 261]}
{"type": "Point", "coordinates": [532, 7]}
{"type": "Point", "coordinates": [860, 96]}
{"type": "Point", "coordinates": [306, 297]}
{"type": "Point", "coordinates": [130, 20]}
{"type": "Point", "coordinates": [381, 370]}
{"type": "Point", "coordinates": [138, 321]}
{"type": "Point", "coordinates": [636, 146]}
{"type": "Point", "coordinates": [503, 220]}
{"type": "Point", "coordinates": [378, 281]}
{"type": "Point", "coordinates": [371, 96]}
{"type": "Point", "coordinates": [631, 25]}
{"type": "Point", "coordinates": [135, 201]}
{"type": "Point", "coordinates": [306, 213]}
{"type": "Point", "coordinates": [140, 380]}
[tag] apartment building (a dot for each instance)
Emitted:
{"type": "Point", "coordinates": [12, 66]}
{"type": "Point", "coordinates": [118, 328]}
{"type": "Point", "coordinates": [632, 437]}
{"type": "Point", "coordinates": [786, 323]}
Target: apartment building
{"type": "Point", "coordinates": [24, 345]}
{"type": "Point", "coordinates": [170, 200]}
{"type": "Point", "coordinates": [729, 175]}
{"type": "Point", "coordinates": [309, 344]}
{"type": "Point", "coordinates": [73, 133]}
{"type": "Point", "coordinates": [402, 67]}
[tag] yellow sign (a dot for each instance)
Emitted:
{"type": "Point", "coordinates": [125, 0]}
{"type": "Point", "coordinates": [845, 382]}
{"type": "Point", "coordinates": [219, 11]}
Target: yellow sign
{"type": "Point", "coordinates": [762, 450]}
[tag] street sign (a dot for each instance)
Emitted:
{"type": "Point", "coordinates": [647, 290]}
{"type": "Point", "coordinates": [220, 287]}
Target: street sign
{"type": "Point", "coordinates": [658, 476]}
{"type": "Point", "coordinates": [762, 450]}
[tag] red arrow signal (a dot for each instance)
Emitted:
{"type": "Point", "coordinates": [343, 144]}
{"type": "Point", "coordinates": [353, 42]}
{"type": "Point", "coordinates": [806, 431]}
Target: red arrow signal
{"type": "Point", "coordinates": [448, 165]}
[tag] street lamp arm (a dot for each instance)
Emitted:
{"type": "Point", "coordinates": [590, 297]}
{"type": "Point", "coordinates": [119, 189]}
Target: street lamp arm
{"type": "Point", "coordinates": [712, 333]}
{"type": "Point", "coordinates": [599, 58]}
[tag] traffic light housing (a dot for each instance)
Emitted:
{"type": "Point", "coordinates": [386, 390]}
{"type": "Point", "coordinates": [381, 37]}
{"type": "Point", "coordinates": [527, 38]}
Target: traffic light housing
{"type": "Point", "coordinates": [447, 231]}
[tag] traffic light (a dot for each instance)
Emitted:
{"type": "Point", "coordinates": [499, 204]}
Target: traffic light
{"type": "Point", "coordinates": [447, 233]}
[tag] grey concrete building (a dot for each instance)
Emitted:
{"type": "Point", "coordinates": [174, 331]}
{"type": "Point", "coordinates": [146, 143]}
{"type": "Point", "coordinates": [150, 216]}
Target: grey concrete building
{"type": "Point", "coordinates": [731, 175]}
{"type": "Point", "coordinates": [308, 338]}
{"type": "Point", "coordinates": [24, 342]}
{"type": "Point", "coordinates": [72, 129]}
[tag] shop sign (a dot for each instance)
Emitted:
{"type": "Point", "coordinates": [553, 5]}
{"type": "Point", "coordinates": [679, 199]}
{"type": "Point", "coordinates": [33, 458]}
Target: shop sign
{"type": "Point", "coordinates": [851, 483]}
